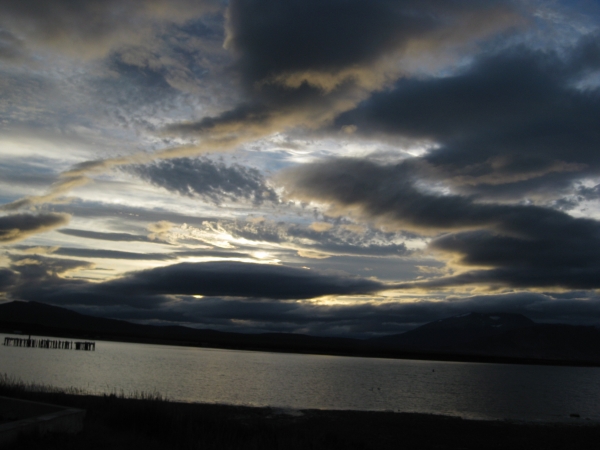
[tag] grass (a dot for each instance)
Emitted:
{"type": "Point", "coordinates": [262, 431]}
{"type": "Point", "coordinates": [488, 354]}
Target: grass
{"type": "Point", "coordinates": [150, 421]}
{"type": "Point", "coordinates": [10, 384]}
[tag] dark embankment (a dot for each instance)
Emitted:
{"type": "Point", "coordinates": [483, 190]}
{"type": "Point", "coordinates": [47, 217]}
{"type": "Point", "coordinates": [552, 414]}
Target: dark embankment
{"type": "Point", "coordinates": [501, 337]}
{"type": "Point", "coordinates": [149, 422]}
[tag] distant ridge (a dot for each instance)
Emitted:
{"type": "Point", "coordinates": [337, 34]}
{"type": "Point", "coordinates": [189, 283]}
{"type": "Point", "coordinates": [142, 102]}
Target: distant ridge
{"type": "Point", "coordinates": [498, 337]}
{"type": "Point", "coordinates": [455, 331]}
{"type": "Point", "coordinates": [40, 318]}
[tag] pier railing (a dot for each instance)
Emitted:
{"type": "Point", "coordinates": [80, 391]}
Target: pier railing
{"type": "Point", "coordinates": [49, 343]}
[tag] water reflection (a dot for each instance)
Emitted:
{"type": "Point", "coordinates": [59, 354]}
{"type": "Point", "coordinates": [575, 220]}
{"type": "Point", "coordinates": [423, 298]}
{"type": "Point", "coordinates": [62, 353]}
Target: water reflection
{"type": "Point", "coordinates": [313, 381]}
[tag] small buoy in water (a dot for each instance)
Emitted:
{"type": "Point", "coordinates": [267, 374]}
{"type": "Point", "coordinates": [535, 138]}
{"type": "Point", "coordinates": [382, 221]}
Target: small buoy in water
{"type": "Point", "coordinates": [576, 416]}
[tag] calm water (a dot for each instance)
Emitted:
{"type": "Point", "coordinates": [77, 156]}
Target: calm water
{"type": "Point", "coordinates": [493, 391]}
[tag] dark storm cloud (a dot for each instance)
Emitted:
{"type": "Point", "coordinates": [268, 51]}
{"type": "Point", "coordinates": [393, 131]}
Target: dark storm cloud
{"type": "Point", "coordinates": [302, 60]}
{"type": "Point", "coordinates": [147, 296]}
{"type": "Point", "coordinates": [522, 245]}
{"type": "Point", "coordinates": [20, 226]}
{"type": "Point", "coordinates": [7, 279]}
{"type": "Point", "coordinates": [41, 279]}
{"type": "Point", "coordinates": [388, 193]}
{"type": "Point", "coordinates": [67, 292]}
{"type": "Point", "coordinates": [511, 123]}
{"type": "Point", "coordinates": [564, 261]}
{"type": "Point", "coordinates": [233, 279]}
{"type": "Point", "coordinates": [211, 180]}
{"type": "Point", "coordinates": [588, 193]}
{"type": "Point", "coordinates": [11, 47]}
{"type": "Point", "coordinates": [274, 38]}
{"type": "Point", "coordinates": [269, 109]}
{"type": "Point", "coordinates": [41, 267]}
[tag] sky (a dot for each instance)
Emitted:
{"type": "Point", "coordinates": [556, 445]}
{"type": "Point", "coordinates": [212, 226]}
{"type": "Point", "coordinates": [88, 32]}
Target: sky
{"type": "Point", "coordinates": [329, 167]}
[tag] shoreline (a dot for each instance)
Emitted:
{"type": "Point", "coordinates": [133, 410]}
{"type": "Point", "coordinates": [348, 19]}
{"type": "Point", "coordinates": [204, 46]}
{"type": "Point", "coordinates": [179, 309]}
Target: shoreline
{"type": "Point", "coordinates": [148, 420]}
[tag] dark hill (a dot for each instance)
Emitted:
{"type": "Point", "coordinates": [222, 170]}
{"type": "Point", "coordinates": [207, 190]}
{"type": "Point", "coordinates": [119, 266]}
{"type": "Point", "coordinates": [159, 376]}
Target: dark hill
{"type": "Point", "coordinates": [33, 315]}
{"type": "Point", "coordinates": [499, 335]}
{"type": "Point", "coordinates": [549, 341]}
{"type": "Point", "coordinates": [455, 331]}
{"type": "Point", "coordinates": [43, 319]}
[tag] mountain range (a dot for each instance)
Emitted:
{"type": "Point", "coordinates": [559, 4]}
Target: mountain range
{"type": "Point", "coordinates": [498, 337]}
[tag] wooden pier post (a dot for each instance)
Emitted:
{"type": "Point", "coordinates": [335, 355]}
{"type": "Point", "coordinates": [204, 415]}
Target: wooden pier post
{"type": "Point", "coordinates": [49, 344]}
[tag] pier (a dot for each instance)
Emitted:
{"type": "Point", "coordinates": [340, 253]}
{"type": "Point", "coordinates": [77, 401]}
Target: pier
{"type": "Point", "coordinates": [49, 343]}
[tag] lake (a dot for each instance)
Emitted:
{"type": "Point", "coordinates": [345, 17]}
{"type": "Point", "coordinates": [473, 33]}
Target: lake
{"type": "Point", "coordinates": [470, 390]}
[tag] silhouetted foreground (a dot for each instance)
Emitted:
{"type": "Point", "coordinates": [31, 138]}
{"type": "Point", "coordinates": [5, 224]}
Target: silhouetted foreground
{"type": "Point", "coordinates": [150, 422]}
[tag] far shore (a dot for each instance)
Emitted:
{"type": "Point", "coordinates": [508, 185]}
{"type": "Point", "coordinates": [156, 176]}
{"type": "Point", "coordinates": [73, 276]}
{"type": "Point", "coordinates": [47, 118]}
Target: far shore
{"type": "Point", "coordinates": [139, 420]}
{"type": "Point", "coordinates": [421, 356]}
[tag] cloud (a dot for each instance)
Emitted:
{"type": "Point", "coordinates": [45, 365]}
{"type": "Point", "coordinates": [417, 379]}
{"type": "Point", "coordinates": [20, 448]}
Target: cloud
{"type": "Point", "coordinates": [137, 92]}
{"type": "Point", "coordinates": [43, 267]}
{"type": "Point", "coordinates": [320, 226]}
{"type": "Point", "coordinates": [383, 193]}
{"type": "Point", "coordinates": [40, 279]}
{"type": "Point", "coordinates": [258, 297]}
{"type": "Point", "coordinates": [120, 212]}
{"type": "Point", "coordinates": [20, 226]}
{"type": "Point", "coordinates": [116, 254]}
{"type": "Point", "coordinates": [302, 62]}
{"type": "Point", "coordinates": [275, 97]}
{"type": "Point", "coordinates": [556, 257]}
{"type": "Point", "coordinates": [323, 242]}
{"type": "Point", "coordinates": [17, 172]}
{"type": "Point", "coordinates": [512, 123]}
{"type": "Point", "coordinates": [113, 254]}
{"type": "Point", "coordinates": [79, 174]}
{"type": "Point", "coordinates": [299, 41]}
{"type": "Point", "coordinates": [232, 279]}
{"type": "Point", "coordinates": [11, 48]}
{"type": "Point", "coordinates": [354, 320]}
{"type": "Point", "coordinates": [519, 245]}
{"type": "Point", "coordinates": [588, 193]}
{"type": "Point", "coordinates": [125, 237]}
{"type": "Point", "coordinates": [211, 180]}
{"type": "Point", "coordinates": [75, 177]}
{"type": "Point", "coordinates": [37, 250]}
{"type": "Point", "coordinates": [269, 302]}
{"type": "Point", "coordinates": [159, 229]}
{"type": "Point", "coordinates": [7, 279]}
{"type": "Point", "coordinates": [93, 27]}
